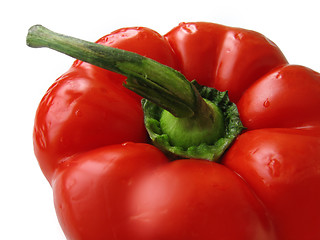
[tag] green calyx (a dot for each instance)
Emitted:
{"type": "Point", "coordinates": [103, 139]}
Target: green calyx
{"type": "Point", "coordinates": [183, 119]}
{"type": "Point", "coordinates": [194, 139]}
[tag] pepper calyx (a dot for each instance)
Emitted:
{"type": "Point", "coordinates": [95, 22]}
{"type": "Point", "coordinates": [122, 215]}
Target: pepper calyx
{"type": "Point", "coordinates": [211, 152]}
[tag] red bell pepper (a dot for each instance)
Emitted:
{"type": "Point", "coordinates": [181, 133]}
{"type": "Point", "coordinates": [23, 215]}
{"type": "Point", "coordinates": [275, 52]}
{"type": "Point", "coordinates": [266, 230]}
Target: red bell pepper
{"type": "Point", "coordinates": [109, 182]}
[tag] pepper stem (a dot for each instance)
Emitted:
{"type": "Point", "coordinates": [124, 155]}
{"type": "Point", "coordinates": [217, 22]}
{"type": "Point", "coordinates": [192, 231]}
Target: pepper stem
{"type": "Point", "coordinates": [161, 84]}
{"type": "Point", "coordinates": [188, 121]}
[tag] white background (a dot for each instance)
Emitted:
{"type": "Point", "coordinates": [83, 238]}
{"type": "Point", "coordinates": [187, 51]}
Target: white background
{"type": "Point", "coordinates": [26, 204]}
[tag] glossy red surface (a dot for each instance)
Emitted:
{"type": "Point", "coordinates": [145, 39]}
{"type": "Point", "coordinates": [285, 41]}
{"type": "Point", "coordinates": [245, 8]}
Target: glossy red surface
{"type": "Point", "coordinates": [108, 183]}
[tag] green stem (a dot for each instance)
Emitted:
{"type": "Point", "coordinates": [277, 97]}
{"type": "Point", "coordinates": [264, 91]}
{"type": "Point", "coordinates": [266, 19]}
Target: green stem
{"type": "Point", "coordinates": [160, 84]}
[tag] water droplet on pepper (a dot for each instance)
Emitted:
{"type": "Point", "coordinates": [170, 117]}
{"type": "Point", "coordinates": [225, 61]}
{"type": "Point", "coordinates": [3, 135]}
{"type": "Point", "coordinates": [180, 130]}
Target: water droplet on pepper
{"type": "Point", "coordinates": [274, 167]}
{"type": "Point", "coordinates": [266, 103]}
{"type": "Point", "coordinates": [238, 36]}
{"type": "Point", "coordinates": [278, 76]}
{"type": "Point", "coordinates": [78, 113]}
{"type": "Point", "coordinates": [188, 28]}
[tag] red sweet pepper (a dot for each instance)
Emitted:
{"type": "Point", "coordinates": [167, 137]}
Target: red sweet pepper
{"type": "Point", "coordinates": [110, 182]}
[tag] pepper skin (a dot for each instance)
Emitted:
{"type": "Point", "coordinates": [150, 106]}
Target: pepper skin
{"type": "Point", "coordinates": [110, 183]}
